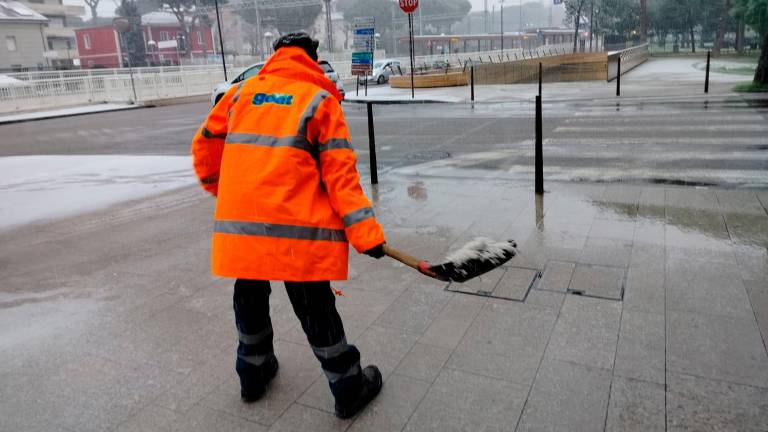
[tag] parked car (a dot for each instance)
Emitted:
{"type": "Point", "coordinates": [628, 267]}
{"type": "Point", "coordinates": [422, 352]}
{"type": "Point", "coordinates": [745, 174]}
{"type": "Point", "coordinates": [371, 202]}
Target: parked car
{"type": "Point", "coordinates": [382, 70]}
{"type": "Point", "coordinates": [333, 76]}
{"type": "Point", "coordinates": [222, 88]}
{"type": "Point", "coordinates": [254, 69]}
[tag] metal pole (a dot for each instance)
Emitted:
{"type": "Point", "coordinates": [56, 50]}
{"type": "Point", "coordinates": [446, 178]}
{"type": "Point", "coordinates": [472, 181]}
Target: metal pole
{"type": "Point", "coordinates": [130, 71]}
{"type": "Point", "coordinates": [372, 145]}
{"type": "Point", "coordinates": [421, 33]}
{"type": "Point", "coordinates": [329, 25]}
{"type": "Point", "coordinates": [706, 80]}
{"type": "Point", "coordinates": [472, 82]}
{"type": "Point", "coordinates": [502, 26]}
{"type": "Point", "coordinates": [618, 77]}
{"type": "Point", "coordinates": [357, 85]}
{"type": "Point", "coordinates": [540, 78]}
{"type": "Point", "coordinates": [221, 40]}
{"type": "Point", "coordinates": [539, 162]}
{"type": "Point", "coordinates": [410, 32]}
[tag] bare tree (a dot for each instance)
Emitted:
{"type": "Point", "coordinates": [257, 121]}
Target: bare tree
{"type": "Point", "coordinates": [93, 4]}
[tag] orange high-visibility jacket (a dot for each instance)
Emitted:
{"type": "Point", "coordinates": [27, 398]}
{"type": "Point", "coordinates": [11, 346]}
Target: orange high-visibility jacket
{"type": "Point", "coordinates": [276, 152]}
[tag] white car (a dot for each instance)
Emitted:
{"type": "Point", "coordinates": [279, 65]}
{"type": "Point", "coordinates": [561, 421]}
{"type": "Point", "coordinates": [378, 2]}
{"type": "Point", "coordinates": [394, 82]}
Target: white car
{"type": "Point", "coordinates": [333, 76]}
{"type": "Point", "coordinates": [254, 69]}
{"type": "Point", "coordinates": [222, 88]}
{"type": "Point", "coordinates": [383, 69]}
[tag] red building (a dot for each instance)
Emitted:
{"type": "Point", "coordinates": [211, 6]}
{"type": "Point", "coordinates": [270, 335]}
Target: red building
{"type": "Point", "coordinates": [164, 43]}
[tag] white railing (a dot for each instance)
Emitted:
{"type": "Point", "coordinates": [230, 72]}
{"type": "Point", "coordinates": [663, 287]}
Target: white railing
{"type": "Point", "coordinates": [64, 88]}
{"type": "Point", "coordinates": [52, 89]}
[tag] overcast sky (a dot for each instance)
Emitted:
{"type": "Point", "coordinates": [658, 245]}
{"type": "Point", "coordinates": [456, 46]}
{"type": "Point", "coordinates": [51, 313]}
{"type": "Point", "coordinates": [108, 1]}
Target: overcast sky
{"type": "Point", "coordinates": [107, 7]}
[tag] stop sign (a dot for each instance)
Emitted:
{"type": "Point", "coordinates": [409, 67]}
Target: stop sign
{"type": "Point", "coordinates": [409, 6]}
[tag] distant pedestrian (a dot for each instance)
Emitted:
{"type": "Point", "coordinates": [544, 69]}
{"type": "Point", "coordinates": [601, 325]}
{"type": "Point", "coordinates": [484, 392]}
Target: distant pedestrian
{"type": "Point", "coordinates": [275, 150]}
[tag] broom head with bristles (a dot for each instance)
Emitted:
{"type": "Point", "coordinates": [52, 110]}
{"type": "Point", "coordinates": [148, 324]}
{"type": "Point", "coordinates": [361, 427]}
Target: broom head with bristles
{"type": "Point", "coordinates": [479, 256]}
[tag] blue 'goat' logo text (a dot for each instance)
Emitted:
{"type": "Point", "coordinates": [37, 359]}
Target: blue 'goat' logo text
{"type": "Point", "coordinates": [278, 99]}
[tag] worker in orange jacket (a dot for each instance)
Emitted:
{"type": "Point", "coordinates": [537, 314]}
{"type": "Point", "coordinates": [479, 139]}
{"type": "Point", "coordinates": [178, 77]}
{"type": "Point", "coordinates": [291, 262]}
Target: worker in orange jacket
{"type": "Point", "coordinates": [275, 151]}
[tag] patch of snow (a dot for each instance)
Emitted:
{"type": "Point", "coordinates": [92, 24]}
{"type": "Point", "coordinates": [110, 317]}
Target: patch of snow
{"type": "Point", "coordinates": [65, 112]}
{"type": "Point", "coordinates": [35, 188]}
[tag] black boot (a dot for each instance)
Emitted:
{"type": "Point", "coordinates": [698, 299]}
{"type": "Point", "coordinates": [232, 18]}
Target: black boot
{"type": "Point", "coordinates": [252, 389]}
{"type": "Point", "coordinates": [370, 387]}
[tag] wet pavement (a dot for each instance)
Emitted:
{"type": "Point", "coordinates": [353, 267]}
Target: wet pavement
{"type": "Point", "coordinates": [639, 300]}
{"type": "Point", "coordinates": [648, 312]}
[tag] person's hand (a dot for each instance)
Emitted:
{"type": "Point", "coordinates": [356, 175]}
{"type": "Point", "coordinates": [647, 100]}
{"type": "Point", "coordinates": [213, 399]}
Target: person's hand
{"type": "Point", "coordinates": [376, 251]}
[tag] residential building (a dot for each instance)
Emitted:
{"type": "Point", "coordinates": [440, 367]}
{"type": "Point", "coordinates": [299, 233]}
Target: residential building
{"type": "Point", "coordinates": [60, 33]}
{"type": "Point", "coordinates": [22, 40]}
{"type": "Point", "coordinates": [164, 43]}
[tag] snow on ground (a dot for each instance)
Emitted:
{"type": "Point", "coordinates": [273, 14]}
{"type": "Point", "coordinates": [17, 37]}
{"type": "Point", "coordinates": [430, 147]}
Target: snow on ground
{"type": "Point", "coordinates": [34, 188]}
{"type": "Point", "coordinates": [65, 112]}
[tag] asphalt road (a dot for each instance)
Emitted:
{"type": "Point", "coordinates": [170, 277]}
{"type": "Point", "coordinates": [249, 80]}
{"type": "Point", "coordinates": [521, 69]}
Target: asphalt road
{"type": "Point", "coordinates": [720, 142]}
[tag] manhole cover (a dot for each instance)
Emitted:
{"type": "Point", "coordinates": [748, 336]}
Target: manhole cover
{"type": "Point", "coordinates": [429, 155]}
{"type": "Point", "coordinates": [508, 283]}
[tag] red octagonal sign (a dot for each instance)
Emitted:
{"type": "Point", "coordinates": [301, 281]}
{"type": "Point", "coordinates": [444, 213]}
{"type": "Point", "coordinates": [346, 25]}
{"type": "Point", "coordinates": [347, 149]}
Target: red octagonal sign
{"type": "Point", "coordinates": [409, 6]}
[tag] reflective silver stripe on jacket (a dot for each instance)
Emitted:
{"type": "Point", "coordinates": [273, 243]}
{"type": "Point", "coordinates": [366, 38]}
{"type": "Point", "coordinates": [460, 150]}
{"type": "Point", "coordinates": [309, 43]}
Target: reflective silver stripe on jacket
{"type": "Point", "coordinates": [335, 143]}
{"type": "Point", "coordinates": [310, 111]}
{"type": "Point", "coordinates": [280, 231]}
{"type": "Point", "coordinates": [356, 216]}
{"type": "Point", "coordinates": [237, 93]}
{"type": "Point", "coordinates": [299, 142]}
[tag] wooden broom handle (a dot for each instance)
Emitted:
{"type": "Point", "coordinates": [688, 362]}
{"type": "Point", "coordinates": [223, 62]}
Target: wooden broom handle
{"type": "Point", "coordinates": [402, 257]}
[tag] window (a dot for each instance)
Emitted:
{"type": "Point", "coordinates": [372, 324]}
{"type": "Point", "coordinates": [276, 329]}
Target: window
{"type": "Point", "coordinates": [10, 43]}
{"type": "Point", "coordinates": [87, 41]}
{"type": "Point", "coordinates": [163, 35]}
{"type": "Point", "coordinates": [200, 38]}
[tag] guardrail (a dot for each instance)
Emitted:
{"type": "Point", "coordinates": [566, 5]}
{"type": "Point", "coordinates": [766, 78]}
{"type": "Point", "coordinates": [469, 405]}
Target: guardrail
{"type": "Point", "coordinates": [630, 59]}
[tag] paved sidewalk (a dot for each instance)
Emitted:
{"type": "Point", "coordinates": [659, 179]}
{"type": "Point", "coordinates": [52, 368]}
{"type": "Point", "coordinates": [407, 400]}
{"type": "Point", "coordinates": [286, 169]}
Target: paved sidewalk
{"type": "Point", "coordinates": [664, 77]}
{"type": "Point", "coordinates": [65, 112]}
{"type": "Point", "coordinates": [651, 313]}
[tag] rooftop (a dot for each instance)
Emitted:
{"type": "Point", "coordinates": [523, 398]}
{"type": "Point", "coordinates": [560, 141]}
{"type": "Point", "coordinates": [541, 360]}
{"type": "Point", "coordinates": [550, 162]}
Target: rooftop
{"type": "Point", "coordinates": [15, 11]}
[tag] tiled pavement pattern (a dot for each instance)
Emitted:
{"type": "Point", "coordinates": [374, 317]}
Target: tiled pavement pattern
{"type": "Point", "coordinates": [112, 323]}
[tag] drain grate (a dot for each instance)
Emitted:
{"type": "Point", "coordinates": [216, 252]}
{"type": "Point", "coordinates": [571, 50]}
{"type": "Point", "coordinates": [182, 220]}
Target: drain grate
{"type": "Point", "coordinates": [589, 280]}
{"type": "Point", "coordinates": [508, 283]}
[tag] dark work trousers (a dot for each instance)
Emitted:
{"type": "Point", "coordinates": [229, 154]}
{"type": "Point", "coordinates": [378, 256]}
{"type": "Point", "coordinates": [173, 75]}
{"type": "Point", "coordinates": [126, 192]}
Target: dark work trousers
{"type": "Point", "coordinates": [315, 305]}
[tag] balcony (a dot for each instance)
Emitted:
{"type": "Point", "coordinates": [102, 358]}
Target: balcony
{"type": "Point", "coordinates": [60, 32]}
{"type": "Point", "coordinates": [61, 54]}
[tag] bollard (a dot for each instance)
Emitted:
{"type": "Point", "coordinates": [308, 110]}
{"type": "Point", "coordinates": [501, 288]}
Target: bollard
{"type": "Point", "coordinates": [540, 78]}
{"type": "Point", "coordinates": [539, 162]}
{"type": "Point", "coordinates": [372, 144]}
{"type": "Point", "coordinates": [472, 82]}
{"type": "Point", "coordinates": [618, 77]}
{"type": "Point", "coordinates": [706, 80]}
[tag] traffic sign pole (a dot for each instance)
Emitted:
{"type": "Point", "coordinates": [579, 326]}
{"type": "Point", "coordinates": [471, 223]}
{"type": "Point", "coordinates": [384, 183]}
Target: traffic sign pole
{"type": "Point", "coordinates": [410, 31]}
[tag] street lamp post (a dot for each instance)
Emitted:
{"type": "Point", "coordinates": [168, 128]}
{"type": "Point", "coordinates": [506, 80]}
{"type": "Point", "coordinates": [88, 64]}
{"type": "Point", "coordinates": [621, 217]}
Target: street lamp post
{"type": "Point", "coordinates": [122, 26]}
{"type": "Point", "coordinates": [502, 27]}
{"type": "Point", "coordinates": [329, 25]}
{"type": "Point", "coordinates": [221, 40]}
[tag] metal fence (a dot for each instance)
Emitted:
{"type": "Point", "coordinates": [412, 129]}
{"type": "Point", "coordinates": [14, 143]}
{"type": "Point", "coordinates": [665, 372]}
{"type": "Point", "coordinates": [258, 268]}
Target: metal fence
{"type": "Point", "coordinates": [630, 59]}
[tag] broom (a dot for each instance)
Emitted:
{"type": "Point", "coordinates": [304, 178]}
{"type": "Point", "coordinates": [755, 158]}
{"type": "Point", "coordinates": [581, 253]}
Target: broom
{"type": "Point", "coordinates": [479, 256]}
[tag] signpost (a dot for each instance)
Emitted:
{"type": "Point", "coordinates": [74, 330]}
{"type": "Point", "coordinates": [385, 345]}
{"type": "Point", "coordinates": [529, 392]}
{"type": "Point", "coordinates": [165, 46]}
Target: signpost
{"type": "Point", "coordinates": [408, 6]}
{"type": "Point", "coordinates": [363, 45]}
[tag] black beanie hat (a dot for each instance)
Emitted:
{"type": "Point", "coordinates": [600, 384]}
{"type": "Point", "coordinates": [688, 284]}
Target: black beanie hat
{"type": "Point", "coordinates": [298, 39]}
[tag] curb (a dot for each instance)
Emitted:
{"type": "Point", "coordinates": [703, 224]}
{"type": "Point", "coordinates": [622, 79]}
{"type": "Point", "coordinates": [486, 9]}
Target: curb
{"type": "Point", "coordinates": [55, 116]}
